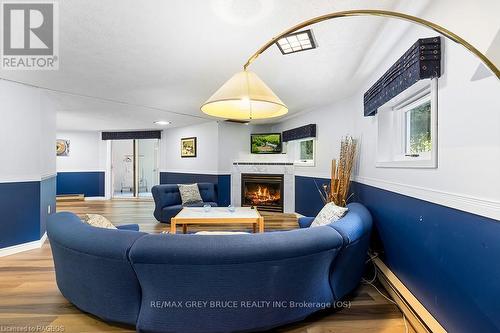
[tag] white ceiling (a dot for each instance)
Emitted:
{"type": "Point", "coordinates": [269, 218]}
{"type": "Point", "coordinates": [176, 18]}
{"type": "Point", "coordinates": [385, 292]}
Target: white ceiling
{"type": "Point", "coordinates": [163, 59]}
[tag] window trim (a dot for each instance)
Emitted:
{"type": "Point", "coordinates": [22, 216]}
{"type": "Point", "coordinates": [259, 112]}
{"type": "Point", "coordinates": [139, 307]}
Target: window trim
{"type": "Point", "coordinates": [404, 108]}
{"type": "Point", "coordinates": [415, 95]}
{"type": "Point", "coordinates": [297, 160]}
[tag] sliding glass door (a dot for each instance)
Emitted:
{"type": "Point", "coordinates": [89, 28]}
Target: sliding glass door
{"type": "Point", "coordinates": [147, 162]}
{"type": "Point", "coordinates": [135, 168]}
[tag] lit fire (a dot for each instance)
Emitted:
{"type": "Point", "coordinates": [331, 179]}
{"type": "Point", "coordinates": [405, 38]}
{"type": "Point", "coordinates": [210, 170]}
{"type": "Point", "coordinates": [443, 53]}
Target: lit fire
{"type": "Point", "coordinates": [262, 196]}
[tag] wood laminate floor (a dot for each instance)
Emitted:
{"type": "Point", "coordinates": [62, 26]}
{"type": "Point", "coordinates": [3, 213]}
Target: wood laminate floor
{"type": "Point", "coordinates": [31, 302]}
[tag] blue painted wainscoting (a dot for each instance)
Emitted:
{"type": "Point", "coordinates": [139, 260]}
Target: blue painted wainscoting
{"type": "Point", "coordinates": [20, 209]}
{"type": "Point", "coordinates": [88, 183]}
{"type": "Point", "coordinates": [307, 198]}
{"type": "Point", "coordinates": [23, 207]}
{"type": "Point", "coordinates": [222, 182]}
{"type": "Point", "coordinates": [48, 188]}
{"type": "Point", "coordinates": [448, 258]}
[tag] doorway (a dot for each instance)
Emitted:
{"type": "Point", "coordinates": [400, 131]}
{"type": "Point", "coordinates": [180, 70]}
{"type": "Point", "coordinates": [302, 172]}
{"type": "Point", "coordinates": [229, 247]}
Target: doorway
{"type": "Point", "coordinates": [134, 167]}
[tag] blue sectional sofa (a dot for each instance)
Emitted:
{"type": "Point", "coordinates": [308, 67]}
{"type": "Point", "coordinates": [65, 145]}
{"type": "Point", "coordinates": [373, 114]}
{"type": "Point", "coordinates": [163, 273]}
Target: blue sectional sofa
{"type": "Point", "coordinates": [208, 283]}
{"type": "Point", "coordinates": [168, 201]}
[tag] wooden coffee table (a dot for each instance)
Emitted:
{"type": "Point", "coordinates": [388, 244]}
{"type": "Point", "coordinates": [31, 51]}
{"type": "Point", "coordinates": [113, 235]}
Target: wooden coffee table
{"type": "Point", "coordinates": [217, 215]}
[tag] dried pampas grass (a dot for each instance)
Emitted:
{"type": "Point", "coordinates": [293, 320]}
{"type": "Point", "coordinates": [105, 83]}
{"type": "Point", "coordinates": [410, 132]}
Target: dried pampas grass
{"type": "Point", "coordinates": [338, 188]}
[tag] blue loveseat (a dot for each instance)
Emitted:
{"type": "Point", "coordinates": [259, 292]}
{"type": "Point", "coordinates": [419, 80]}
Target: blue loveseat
{"type": "Point", "coordinates": [208, 283]}
{"type": "Point", "coordinates": [168, 201]}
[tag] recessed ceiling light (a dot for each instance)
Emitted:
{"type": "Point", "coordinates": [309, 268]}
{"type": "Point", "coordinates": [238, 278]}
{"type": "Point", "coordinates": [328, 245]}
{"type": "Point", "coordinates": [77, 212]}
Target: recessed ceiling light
{"type": "Point", "coordinates": [162, 122]}
{"type": "Point", "coordinates": [296, 42]}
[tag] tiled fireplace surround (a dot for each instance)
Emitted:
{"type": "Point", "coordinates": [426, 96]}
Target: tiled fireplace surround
{"type": "Point", "coordinates": [285, 169]}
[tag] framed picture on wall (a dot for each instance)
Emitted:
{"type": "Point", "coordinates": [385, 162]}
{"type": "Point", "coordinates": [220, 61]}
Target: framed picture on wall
{"type": "Point", "coordinates": [188, 147]}
{"type": "Point", "coordinates": [62, 147]}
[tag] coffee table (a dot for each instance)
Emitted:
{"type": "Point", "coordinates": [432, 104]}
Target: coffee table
{"type": "Point", "coordinates": [217, 215]}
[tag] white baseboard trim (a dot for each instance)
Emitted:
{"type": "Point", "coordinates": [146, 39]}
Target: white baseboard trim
{"type": "Point", "coordinates": [479, 206]}
{"type": "Point", "coordinates": [7, 251]}
{"type": "Point", "coordinates": [95, 198]}
{"type": "Point", "coordinates": [421, 320]}
{"type": "Point", "coordinates": [43, 239]}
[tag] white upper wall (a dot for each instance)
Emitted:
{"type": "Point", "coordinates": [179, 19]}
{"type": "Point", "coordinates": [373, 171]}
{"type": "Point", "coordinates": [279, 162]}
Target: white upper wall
{"type": "Point", "coordinates": [47, 136]}
{"type": "Point", "coordinates": [19, 132]}
{"type": "Point", "coordinates": [219, 145]}
{"type": "Point", "coordinates": [87, 152]}
{"type": "Point", "coordinates": [333, 122]}
{"type": "Point", "coordinates": [234, 145]}
{"type": "Point", "coordinates": [27, 133]}
{"type": "Point", "coordinates": [467, 176]}
{"type": "Point", "coordinates": [468, 134]}
{"type": "Point", "coordinates": [206, 160]}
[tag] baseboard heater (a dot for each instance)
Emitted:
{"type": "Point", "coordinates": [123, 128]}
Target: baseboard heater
{"type": "Point", "coordinates": [417, 315]}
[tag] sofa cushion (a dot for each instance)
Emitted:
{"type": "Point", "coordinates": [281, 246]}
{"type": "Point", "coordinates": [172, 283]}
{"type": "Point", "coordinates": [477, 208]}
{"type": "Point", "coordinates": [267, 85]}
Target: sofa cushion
{"type": "Point", "coordinates": [169, 209]}
{"type": "Point", "coordinates": [98, 221]}
{"type": "Point", "coordinates": [190, 194]}
{"type": "Point", "coordinates": [330, 213]}
{"type": "Point", "coordinates": [207, 191]}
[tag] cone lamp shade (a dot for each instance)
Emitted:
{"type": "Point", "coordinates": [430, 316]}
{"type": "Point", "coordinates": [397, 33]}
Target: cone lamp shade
{"type": "Point", "coordinates": [244, 97]}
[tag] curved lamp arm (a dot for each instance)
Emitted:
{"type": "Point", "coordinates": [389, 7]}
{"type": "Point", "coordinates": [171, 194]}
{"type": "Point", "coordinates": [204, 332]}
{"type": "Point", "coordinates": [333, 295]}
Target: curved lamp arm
{"type": "Point", "coordinates": [383, 13]}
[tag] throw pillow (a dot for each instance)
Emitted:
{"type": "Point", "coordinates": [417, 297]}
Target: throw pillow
{"type": "Point", "coordinates": [98, 221]}
{"type": "Point", "coordinates": [330, 213]}
{"type": "Point", "coordinates": [190, 194]}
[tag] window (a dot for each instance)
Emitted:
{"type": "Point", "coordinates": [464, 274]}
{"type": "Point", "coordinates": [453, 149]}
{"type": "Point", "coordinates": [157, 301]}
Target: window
{"type": "Point", "coordinates": [407, 128]}
{"type": "Point", "coordinates": [304, 152]}
{"type": "Point", "coordinates": [418, 128]}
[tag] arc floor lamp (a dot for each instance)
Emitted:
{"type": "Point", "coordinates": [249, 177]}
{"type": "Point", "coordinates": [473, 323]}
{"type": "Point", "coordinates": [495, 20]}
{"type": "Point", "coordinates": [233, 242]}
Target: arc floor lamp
{"type": "Point", "coordinates": [245, 96]}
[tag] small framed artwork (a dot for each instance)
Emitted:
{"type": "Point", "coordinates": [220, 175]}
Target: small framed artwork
{"type": "Point", "coordinates": [62, 147]}
{"type": "Point", "coordinates": [188, 147]}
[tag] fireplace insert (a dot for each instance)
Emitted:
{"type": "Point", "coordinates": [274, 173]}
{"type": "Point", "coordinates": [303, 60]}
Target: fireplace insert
{"type": "Point", "coordinates": [262, 191]}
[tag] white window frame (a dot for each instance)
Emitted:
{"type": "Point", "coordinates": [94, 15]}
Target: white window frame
{"type": "Point", "coordinates": [298, 161]}
{"type": "Point", "coordinates": [393, 126]}
{"type": "Point", "coordinates": [404, 109]}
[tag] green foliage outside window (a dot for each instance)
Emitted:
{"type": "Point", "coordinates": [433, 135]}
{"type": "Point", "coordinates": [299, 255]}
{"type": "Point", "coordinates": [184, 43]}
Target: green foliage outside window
{"type": "Point", "coordinates": [420, 129]}
{"type": "Point", "coordinates": [306, 150]}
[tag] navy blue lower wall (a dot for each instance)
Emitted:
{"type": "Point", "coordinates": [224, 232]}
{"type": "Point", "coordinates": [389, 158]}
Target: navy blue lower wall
{"type": "Point", "coordinates": [20, 213]}
{"type": "Point", "coordinates": [223, 183]}
{"type": "Point", "coordinates": [449, 259]}
{"type": "Point", "coordinates": [47, 198]}
{"type": "Point", "coordinates": [89, 183]}
{"type": "Point", "coordinates": [307, 198]}
{"type": "Point", "coordinates": [224, 190]}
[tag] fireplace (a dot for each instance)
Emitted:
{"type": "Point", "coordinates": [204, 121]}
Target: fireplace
{"type": "Point", "coordinates": [262, 191]}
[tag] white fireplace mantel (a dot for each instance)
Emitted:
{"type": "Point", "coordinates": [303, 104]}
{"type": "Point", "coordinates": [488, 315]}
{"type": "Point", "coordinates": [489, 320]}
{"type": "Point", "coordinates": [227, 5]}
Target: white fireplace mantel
{"type": "Point", "coordinates": [276, 168]}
